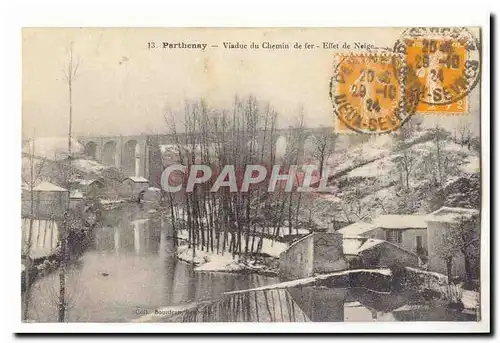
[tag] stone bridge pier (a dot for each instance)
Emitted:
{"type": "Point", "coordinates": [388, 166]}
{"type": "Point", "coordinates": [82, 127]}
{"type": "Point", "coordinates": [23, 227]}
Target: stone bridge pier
{"type": "Point", "coordinates": [139, 155]}
{"type": "Point", "coordinates": [129, 154]}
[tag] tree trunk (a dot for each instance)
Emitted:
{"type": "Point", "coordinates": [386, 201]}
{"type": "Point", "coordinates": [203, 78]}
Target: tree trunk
{"type": "Point", "coordinates": [62, 282]}
{"type": "Point", "coordinates": [449, 261]}
{"type": "Point", "coordinates": [468, 270]}
{"type": "Point", "coordinates": [321, 163]}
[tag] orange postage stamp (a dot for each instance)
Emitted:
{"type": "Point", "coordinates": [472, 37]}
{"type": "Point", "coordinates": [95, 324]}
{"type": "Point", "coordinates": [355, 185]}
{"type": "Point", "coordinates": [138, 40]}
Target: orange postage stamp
{"type": "Point", "coordinates": [447, 64]}
{"type": "Point", "coordinates": [367, 92]}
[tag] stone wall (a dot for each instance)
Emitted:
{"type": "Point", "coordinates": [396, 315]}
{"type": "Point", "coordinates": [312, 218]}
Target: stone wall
{"type": "Point", "coordinates": [328, 253]}
{"type": "Point", "coordinates": [314, 253]}
{"type": "Point", "coordinates": [297, 261]}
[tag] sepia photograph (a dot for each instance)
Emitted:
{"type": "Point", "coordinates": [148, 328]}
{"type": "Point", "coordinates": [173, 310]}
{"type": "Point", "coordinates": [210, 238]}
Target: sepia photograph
{"type": "Point", "coordinates": [229, 175]}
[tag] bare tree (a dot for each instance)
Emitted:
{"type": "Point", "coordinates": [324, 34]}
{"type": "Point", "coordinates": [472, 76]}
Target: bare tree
{"type": "Point", "coordinates": [465, 134]}
{"type": "Point", "coordinates": [70, 73]}
{"type": "Point", "coordinates": [47, 292]}
{"type": "Point", "coordinates": [461, 238]}
{"type": "Point", "coordinates": [352, 207]}
{"type": "Point", "coordinates": [439, 142]}
{"type": "Point", "coordinates": [241, 136]}
{"type": "Point", "coordinates": [324, 146]}
{"type": "Point", "coordinates": [406, 162]}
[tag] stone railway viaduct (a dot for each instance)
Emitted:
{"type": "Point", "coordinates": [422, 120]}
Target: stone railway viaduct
{"type": "Point", "coordinates": [140, 155]}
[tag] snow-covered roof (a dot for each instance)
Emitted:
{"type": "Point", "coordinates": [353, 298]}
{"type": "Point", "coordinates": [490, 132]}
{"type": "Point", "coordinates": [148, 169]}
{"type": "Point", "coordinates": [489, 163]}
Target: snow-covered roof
{"type": "Point", "coordinates": [350, 245]}
{"type": "Point", "coordinates": [370, 243]}
{"type": "Point", "coordinates": [353, 245]}
{"type": "Point", "coordinates": [138, 179]}
{"type": "Point", "coordinates": [401, 221]}
{"type": "Point", "coordinates": [451, 214]}
{"type": "Point", "coordinates": [89, 182]}
{"type": "Point", "coordinates": [46, 186]}
{"type": "Point", "coordinates": [357, 228]}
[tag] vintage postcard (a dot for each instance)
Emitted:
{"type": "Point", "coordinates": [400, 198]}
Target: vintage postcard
{"type": "Point", "coordinates": [180, 175]}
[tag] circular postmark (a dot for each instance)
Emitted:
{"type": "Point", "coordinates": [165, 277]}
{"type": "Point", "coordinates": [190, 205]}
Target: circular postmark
{"type": "Point", "coordinates": [368, 94]}
{"type": "Point", "coordinates": [446, 62]}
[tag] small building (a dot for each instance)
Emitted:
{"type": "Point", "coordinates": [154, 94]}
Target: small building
{"type": "Point", "coordinates": [92, 188]}
{"type": "Point", "coordinates": [318, 252]}
{"type": "Point", "coordinates": [134, 186]}
{"type": "Point", "coordinates": [368, 252]}
{"type": "Point", "coordinates": [373, 253]}
{"type": "Point", "coordinates": [408, 231]}
{"type": "Point", "coordinates": [440, 223]}
{"type": "Point", "coordinates": [49, 201]}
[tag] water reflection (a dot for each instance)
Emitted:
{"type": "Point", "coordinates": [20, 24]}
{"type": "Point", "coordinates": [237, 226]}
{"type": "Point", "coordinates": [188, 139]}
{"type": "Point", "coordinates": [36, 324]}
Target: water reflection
{"type": "Point", "coordinates": [132, 269]}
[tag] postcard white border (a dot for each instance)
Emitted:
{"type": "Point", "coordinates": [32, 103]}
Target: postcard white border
{"type": "Point", "coordinates": [230, 13]}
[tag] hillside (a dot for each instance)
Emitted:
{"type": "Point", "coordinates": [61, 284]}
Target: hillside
{"type": "Point", "coordinates": [390, 175]}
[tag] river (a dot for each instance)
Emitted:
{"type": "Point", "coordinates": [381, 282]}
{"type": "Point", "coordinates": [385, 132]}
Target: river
{"type": "Point", "coordinates": [130, 268]}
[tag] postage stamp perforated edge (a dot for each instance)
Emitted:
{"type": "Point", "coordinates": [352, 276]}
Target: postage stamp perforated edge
{"type": "Point", "coordinates": [458, 34]}
{"type": "Point", "coordinates": [342, 127]}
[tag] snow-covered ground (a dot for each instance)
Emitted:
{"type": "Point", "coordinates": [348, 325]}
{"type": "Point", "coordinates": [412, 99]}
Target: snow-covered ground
{"type": "Point", "coordinates": [377, 147]}
{"type": "Point", "coordinates": [378, 168]}
{"type": "Point", "coordinates": [52, 148]}
{"type": "Point", "coordinates": [111, 201]}
{"type": "Point", "coordinates": [472, 165]}
{"type": "Point", "coordinates": [211, 261]}
{"type": "Point", "coordinates": [89, 166]}
{"type": "Point", "coordinates": [207, 261]}
{"type": "Point", "coordinates": [375, 183]}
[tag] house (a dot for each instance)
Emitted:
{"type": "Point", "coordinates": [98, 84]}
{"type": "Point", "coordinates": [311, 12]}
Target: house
{"type": "Point", "coordinates": [406, 231]}
{"type": "Point", "coordinates": [92, 188]}
{"type": "Point", "coordinates": [409, 231]}
{"type": "Point", "coordinates": [442, 225]}
{"type": "Point", "coordinates": [134, 186]}
{"type": "Point", "coordinates": [49, 201]}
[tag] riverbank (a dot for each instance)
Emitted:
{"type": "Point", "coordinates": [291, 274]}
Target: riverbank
{"type": "Point", "coordinates": [264, 263]}
{"type": "Point", "coordinates": [205, 261]}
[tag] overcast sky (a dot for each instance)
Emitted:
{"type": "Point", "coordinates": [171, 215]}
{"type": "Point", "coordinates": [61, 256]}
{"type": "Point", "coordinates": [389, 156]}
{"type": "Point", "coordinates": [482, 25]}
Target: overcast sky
{"type": "Point", "coordinates": [122, 87]}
